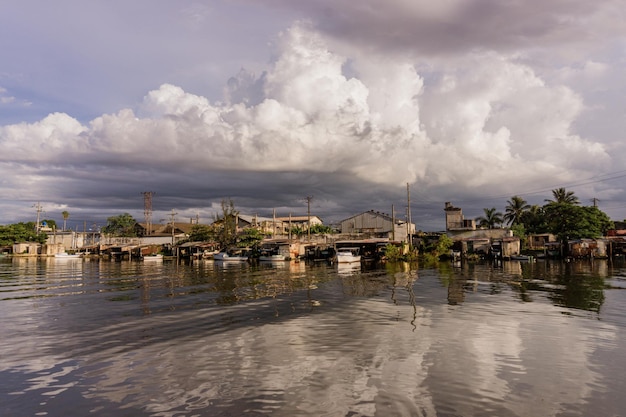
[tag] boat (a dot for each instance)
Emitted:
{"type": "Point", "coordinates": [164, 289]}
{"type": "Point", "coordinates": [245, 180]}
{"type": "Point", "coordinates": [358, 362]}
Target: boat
{"type": "Point", "coordinates": [275, 254]}
{"type": "Point", "coordinates": [225, 256]}
{"type": "Point", "coordinates": [520, 258]}
{"type": "Point", "coordinates": [346, 255]}
{"type": "Point", "coordinates": [153, 257]}
{"type": "Point", "coordinates": [65, 255]}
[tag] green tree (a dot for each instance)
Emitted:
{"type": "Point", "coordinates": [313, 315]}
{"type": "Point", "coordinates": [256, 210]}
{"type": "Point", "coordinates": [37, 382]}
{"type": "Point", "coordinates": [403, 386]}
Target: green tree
{"type": "Point", "coordinates": [444, 244]}
{"type": "Point", "coordinates": [597, 222]}
{"type": "Point", "coordinates": [519, 230]}
{"type": "Point", "coordinates": [515, 209]}
{"type": "Point", "coordinates": [249, 238]}
{"type": "Point", "coordinates": [570, 221]}
{"type": "Point", "coordinates": [202, 233]}
{"type": "Point", "coordinates": [491, 219]}
{"type": "Point", "coordinates": [297, 231]}
{"type": "Point", "coordinates": [66, 215]}
{"type": "Point", "coordinates": [226, 224]}
{"type": "Point", "coordinates": [20, 232]}
{"type": "Point", "coordinates": [320, 229]}
{"type": "Point", "coordinates": [393, 253]}
{"type": "Point", "coordinates": [121, 226]}
{"type": "Point", "coordinates": [534, 220]}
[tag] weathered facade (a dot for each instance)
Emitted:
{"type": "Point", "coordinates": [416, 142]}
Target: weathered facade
{"type": "Point", "coordinates": [26, 248]}
{"type": "Point", "coordinates": [588, 248]}
{"type": "Point", "coordinates": [376, 224]}
{"type": "Point", "coordinates": [468, 240]}
{"type": "Point", "coordinates": [300, 221]}
{"type": "Point", "coordinates": [455, 222]}
{"type": "Point", "coordinates": [539, 241]}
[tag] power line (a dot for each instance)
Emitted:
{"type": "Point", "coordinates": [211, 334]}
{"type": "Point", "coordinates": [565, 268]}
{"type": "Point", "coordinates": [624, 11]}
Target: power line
{"type": "Point", "coordinates": [591, 180]}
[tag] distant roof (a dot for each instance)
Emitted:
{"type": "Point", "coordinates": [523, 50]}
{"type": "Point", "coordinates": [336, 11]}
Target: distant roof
{"type": "Point", "coordinates": [298, 218]}
{"type": "Point", "coordinates": [372, 212]}
{"type": "Point", "coordinates": [255, 219]}
{"type": "Point", "coordinates": [157, 228]}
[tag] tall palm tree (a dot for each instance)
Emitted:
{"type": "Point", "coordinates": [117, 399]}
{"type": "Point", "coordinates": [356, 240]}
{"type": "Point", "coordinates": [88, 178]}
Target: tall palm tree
{"type": "Point", "coordinates": [515, 209]}
{"type": "Point", "coordinates": [491, 219]}
{"type": "Point", "coordinates": [65, 215]}
{"type": "Point", "coordinates": [561, 195]}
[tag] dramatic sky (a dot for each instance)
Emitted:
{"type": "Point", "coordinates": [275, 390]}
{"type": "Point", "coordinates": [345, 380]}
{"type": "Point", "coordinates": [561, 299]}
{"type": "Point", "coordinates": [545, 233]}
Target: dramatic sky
{"type": "Point", "coordinates": [266, 102]}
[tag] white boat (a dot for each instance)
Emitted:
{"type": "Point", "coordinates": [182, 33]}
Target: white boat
{"type": "Point", "coordinates": [153, 257]}
{"type": "Point", "coordinates": [274, 255]}
{"type": "Point", "coordinates": [346, 255]}
{"type": "Point", "coordinates": [225, 256]}
{"type": "Point", "coordinates": [65, 255]}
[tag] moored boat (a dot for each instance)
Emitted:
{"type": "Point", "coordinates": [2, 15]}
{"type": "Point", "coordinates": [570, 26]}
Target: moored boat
{"type": "Point", "coordinates": [153, 257]}
{"type": "Point", "coordinates": [346, 255]}
{"type": "Point", "coordinates": [225, 256]}
{"type": "Point", "coordinates": [65, 255]}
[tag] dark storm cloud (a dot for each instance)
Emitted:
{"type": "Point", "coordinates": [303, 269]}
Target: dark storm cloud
{"type": "Point", "coordinates": [454, 26]}
{"type": "Point", "coordinates": [468, 101]}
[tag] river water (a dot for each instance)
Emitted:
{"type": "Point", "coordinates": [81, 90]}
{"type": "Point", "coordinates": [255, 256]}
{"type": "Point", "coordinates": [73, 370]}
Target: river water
{"type": "Point", "coordinates": [99, 338]}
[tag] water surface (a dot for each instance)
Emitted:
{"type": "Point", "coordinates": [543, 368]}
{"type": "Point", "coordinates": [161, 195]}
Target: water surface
{"type": "Point", "coordinates": [101, 338]}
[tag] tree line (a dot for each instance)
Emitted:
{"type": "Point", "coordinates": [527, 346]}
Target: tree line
{"type": "Point", "coordinates": [562, 216]}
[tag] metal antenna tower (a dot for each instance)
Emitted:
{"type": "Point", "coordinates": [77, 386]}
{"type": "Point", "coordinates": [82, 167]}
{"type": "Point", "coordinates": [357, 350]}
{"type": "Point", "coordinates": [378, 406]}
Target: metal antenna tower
{"type": "Point", "coordinates": [147, 210]}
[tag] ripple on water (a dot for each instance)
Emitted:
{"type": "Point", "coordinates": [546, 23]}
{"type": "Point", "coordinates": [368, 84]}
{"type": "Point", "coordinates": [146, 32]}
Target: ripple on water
{"type": "Point", "coordinates": [124, 338]}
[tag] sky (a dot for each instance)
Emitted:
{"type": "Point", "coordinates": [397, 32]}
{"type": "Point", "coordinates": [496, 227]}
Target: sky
{"type": "Point", "coordinates": [361, 105]}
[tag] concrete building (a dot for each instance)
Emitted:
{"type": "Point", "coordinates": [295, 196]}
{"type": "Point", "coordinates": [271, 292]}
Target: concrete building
{"type": "Point", "coordinates": [376, 224]}
{"type": "Point", "coordinates": [455, 222]}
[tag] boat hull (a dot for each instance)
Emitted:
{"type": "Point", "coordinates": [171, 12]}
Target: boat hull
{"type": "Point", "coordinates": [222, 256]}
{"type": "Point", "coordinates": [68, 256]}
{"type": "Point", "coordinates": [346, 259]}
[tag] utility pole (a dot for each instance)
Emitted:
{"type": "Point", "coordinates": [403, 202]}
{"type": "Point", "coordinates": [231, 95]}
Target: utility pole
{"type": "Point", "coordinates": [273, 223]}
{"type": "Point", "coordinates": [595, 202]}
{"type": "Point", "coordinates": [393, 224]}
{"type": "Point", "coordinates": [147, 210]}
{"type": "Point", "coordinates": [172, 217]}
{"type": "Point", "coordinates": [408, 209]}
{"type": "Point", "coordinates": [39, 211]}
{"type": "Point", "coordinates": [308, 204]}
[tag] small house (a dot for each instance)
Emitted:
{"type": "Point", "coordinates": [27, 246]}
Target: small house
{"type": "Point", "coordinates": [26, 248]}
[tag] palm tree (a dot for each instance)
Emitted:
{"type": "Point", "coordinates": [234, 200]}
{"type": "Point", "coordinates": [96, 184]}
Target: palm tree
{"type": "Point", "coordinates": [515, 209]}
{"type": "Point", "coordinates": [561, 195]}
{"type": "Point", "coordinates": [490, 219]}
{"type": "Point", "coordinates": [65, 215]}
